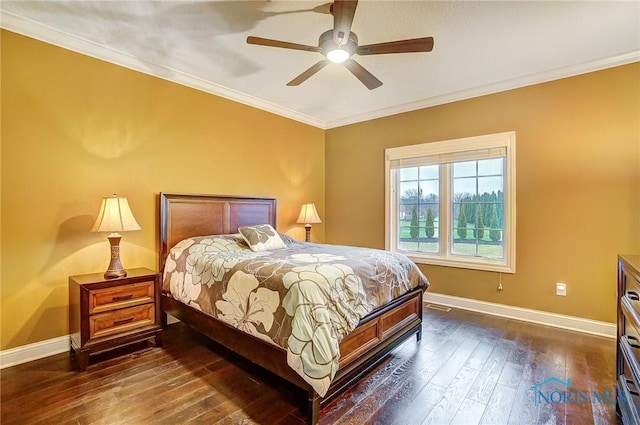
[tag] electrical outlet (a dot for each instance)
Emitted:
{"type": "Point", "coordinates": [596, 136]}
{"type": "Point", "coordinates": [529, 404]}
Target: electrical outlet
{"type": "Point", "coordinates": [561, 289]}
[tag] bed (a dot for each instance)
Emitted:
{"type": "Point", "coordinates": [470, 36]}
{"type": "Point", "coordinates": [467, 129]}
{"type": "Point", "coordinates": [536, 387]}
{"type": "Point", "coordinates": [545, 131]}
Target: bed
{"type": "Point", "coordinates": [374, 324]}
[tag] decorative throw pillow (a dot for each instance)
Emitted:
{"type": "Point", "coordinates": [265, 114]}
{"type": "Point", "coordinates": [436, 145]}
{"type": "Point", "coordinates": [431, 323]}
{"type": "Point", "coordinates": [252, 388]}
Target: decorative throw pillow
{"type": "Point", "coordinates": [261, 237]}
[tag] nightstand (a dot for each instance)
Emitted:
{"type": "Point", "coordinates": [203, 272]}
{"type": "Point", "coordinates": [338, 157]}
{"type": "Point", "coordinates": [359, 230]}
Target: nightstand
{"type": "Point", "coordinates": [110, 313]}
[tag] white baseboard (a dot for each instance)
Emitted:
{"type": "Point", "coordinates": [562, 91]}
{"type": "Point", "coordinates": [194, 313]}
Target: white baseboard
{"type": "Point", "coordinates": [35, 351]}
{"type": "Point", "coordinates": [573, 323]}
{"type": "Point", "coordinates": [40, 349]}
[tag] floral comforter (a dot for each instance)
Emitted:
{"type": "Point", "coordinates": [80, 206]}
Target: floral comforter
{"type": "Point", "coordinates": [304, 298]}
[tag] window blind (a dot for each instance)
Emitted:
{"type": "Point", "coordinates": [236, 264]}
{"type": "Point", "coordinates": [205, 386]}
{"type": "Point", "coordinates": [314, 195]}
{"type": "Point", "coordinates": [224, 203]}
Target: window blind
{"type": "Point", "coordinates": [449, 157]}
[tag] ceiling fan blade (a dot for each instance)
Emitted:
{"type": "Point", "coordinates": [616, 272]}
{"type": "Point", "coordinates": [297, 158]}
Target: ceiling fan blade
{"type": "Point", "coordinates": [283, 44]}
{"type": "Point", "coordinates": [343, 12]}
{"type": "Point", "coordinates": [362, 74]}
{"type": "Point", "coordinates": [323, 8]}
{"type": "Point", "coordinates": [424, 44]}
{"type": "Point", "coordinates": [308, 73]}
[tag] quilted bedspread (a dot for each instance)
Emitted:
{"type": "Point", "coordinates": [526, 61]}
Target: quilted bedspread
{"type": "Point", "coordinates": [304, 298]}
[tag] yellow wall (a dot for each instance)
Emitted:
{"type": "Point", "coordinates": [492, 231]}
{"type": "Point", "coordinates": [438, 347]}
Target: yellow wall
{"type": "Point", "coordinates": [75, 129]}
{"type": "Point", "coordinates": [578, 186]}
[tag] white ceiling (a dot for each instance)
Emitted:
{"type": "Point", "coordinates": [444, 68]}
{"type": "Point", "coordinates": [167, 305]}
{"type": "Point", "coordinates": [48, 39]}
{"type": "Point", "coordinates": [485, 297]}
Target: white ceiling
{"type": "Point", "coordinates": [480, 47]}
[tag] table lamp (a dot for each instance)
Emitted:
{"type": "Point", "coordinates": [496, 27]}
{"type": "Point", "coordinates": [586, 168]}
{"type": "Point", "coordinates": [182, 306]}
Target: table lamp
{"type": "Point", "coordinates": [115, 216]}
{"type": "Point", "coordinates": [308, 216]}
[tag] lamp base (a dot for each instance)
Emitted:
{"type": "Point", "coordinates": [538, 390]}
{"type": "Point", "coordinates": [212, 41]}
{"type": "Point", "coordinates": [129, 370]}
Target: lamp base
{"type": "Point", "coordinates": [115, 269]}
{"type": "Point", "coordinates": [115, 274]}
{"type": "Point", "coordinates": [307, 228]}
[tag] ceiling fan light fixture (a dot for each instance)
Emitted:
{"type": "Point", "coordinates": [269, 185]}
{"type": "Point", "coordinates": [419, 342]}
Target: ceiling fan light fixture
{"type": "Point", "coordinates": [338, 55]}
{"type": "Point", "coordinates": [339, 44]}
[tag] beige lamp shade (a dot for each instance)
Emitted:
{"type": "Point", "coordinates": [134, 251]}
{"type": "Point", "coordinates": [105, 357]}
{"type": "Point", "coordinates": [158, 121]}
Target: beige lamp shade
{"type": "Point", "coordinates": [115, 216]}
{"type": "Point", "coordinates": [308, 214]}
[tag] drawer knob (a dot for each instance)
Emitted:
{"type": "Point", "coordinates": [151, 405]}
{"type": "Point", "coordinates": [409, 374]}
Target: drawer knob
{"type": "Point", "coordinates": [122, 321]}
{"type": "Point", "coordinates": [633, 295]}
{"type": "Point", "coordinates": [122, 297]}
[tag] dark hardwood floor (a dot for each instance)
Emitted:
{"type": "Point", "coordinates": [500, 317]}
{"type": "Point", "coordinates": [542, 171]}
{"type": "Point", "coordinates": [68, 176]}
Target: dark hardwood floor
{"type": "Point", "coordinates": [468, 369]}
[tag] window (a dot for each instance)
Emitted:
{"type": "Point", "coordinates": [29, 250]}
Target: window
{"type": "Point", "coordinates": [452, 203]}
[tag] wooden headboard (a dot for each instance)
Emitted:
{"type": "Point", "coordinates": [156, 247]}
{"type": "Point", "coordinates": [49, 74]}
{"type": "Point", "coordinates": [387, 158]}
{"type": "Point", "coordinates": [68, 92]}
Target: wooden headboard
{"type": "Point", "coordinates": [185, 215]}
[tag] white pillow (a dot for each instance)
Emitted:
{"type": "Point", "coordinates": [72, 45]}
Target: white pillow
{"type": "Point", "coordinates": [261, 237]}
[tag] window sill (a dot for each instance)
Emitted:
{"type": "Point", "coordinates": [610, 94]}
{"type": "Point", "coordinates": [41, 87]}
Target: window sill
{"type": "Point", "coordinates": [479, 263]}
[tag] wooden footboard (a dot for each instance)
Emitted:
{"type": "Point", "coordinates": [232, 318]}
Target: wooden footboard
{"type": "Point", "coordinates": [371, 332]}
{"type": "Point", "coordinates": [366, 346]}
{"type": "Point", "coordinates": [375, 336]}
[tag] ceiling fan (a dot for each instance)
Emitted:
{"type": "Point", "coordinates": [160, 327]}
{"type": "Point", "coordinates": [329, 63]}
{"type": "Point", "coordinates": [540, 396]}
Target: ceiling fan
{"type": "Point", "coordinates": [339, 44]}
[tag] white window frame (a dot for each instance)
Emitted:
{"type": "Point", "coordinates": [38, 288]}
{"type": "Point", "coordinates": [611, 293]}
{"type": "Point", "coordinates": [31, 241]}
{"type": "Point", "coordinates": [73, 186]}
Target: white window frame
{"type": "Point", "coordinates": [412, 154]}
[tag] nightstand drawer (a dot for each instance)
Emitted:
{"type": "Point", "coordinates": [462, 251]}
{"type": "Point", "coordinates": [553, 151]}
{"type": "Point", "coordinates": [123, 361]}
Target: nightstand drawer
{"type": "Point", "coordinates": [105, 314]}
{"type": "Point", "coordinates": [119, 321]}
{"type": "Point", "coordinates": [631, 281]}
{"type": "Point", "coordinates": [627, 399]}
{"type": "Point", "coordinates": [116, 297]}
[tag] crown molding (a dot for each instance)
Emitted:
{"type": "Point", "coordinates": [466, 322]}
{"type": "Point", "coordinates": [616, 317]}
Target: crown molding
{"type": "Point", "coordinates": [47, 34]}
{"type": "Point", "coordinates": [529, 80]}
